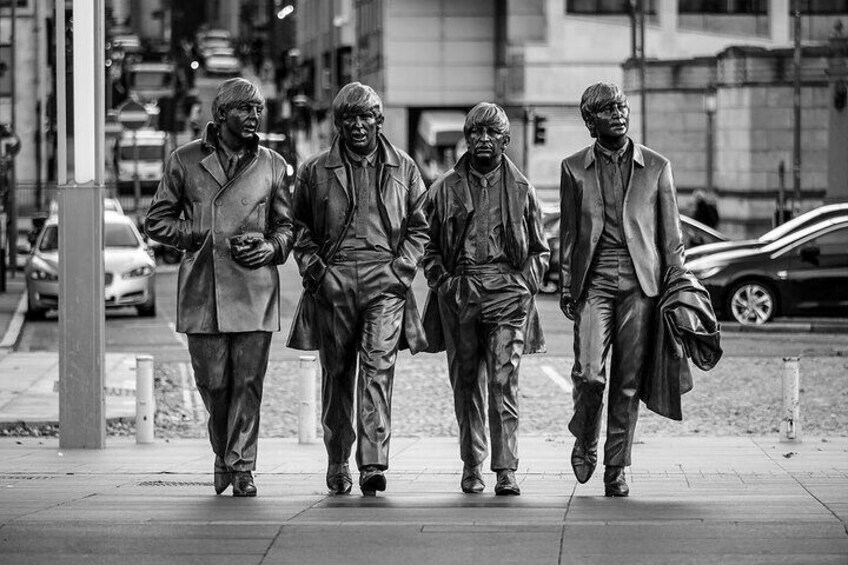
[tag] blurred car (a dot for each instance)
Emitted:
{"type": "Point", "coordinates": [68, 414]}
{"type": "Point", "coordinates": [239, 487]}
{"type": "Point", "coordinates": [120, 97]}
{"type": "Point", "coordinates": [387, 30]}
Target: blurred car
{"type": "Point", "coordinates": [804, 272]}
{"type": "Point", "coordinates": [695, 234]}
{"type": "Point", "coordinates": [800, 222]}
{"type": "Point", "coordinates": [109, 205]}
{"type": "Point", "coordinates": [222, 62]}
{"type": "Point", "coordinates": [129, 266]}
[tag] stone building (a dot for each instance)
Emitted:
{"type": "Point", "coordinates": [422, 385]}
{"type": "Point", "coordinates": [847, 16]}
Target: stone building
{"type": "Point", "coordinates": [432, 60]}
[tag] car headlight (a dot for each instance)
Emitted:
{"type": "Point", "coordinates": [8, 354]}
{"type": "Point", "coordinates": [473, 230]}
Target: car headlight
{"type": "Point", "coordinates": [143, 271]}
{"type": "Point", "coordinates": [707, 272]}
{"type": "Point", "coordinates": [41, 275]}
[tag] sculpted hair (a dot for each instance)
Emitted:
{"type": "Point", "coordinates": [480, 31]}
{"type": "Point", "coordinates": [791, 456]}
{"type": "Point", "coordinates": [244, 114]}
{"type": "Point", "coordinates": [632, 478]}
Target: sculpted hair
{"type": "Point", "coordinates": [486, 114]}
{"type": "Point", "coordinates": [357, 98]}
{"type": "Point", "coordinates": [596, 97]}
{"type": "Point", "coordinates": [233, 92]}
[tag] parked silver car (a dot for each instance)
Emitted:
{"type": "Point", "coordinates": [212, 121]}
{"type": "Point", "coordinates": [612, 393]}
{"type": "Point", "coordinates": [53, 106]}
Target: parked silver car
{"type": "Point", "coordinates": [130, 268]}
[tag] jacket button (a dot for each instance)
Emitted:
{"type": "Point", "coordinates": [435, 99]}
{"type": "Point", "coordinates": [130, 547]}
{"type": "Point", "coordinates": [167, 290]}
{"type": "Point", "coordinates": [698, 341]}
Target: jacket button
{"type": "Point", "coordinates": [594, 239]}
{"type": "Point", "coordinates": [244, 201]}
{"type": "Point", "coordinates": [217, 230]}
{"type": "Point", "coordinates": [217, 203]}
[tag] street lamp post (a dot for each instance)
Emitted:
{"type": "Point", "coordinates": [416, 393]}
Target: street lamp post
{"type": "Point", "coordinates": [710, 109]}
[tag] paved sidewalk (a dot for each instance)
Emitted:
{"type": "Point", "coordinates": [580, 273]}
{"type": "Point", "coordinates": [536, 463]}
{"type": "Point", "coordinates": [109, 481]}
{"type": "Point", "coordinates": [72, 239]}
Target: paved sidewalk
{"type": "Point", "coordinates": [693, 501]}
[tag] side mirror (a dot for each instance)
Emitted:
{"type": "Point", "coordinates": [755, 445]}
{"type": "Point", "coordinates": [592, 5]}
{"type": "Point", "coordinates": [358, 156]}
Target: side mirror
{"type": "Point", "coordinates": [810, 254]}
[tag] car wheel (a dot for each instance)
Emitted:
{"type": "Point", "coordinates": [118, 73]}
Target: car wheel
{"type": "Point", "coordinates": [752, 303]}
{"type": "Point", "coordinates": [147, 310]}
{"type": "Point", "coordinates": [33, 315]}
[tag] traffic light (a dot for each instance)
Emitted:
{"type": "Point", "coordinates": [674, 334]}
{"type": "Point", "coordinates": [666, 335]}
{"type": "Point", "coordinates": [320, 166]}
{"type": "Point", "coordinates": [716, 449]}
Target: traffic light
{"type": "Point", "coordinates": [540, 131]}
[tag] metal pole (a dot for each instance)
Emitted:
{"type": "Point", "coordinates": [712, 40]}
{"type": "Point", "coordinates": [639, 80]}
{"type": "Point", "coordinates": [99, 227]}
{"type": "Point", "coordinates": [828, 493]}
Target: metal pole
{"type": "Point", "coordinates": [528, 120]}
{"type": "Point", "coordinates": [643, 106]}
{"type": "Point", "coordinates": [306, 393]}
{"type": "Point", "coordinates": [145, 401]}
{"type": "Point", "coordinates": [781, 193]}
{"type": "Point", "coordinates": [796, 145]}
{"type": "Point", "coordinates": [82, 414]}
{"type": "Point", "coordinates": [12, 236]}
{"type": "Point", "coordinates": [136, 179]}
{"type": "Point", "coordinates": [790, 423]}
{"type": "Point", "coordinates": [710, 150]}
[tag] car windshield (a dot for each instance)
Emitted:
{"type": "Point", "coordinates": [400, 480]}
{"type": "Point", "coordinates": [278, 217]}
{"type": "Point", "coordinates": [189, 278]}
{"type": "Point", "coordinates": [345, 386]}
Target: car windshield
{"type": "Point", "coordinates": [116, 235]}
{"type": "Point", "coordinates": [145, 152]}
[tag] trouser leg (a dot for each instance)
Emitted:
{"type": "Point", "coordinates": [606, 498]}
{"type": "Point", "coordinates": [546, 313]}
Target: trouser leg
{"type": "Point", "coordinates": [634, 320]}
{"type": "Point", "coordinates": [382, 322]}
{"type": "Point", "coordinates": [593, 319]}
{"type": "Point", "coordinates": [459, 308]}
{"type": "Point", "coordinates": [336, 328]}
{"type": "Point", "coordinates": [504, 320]}
{"type": "Point", "coordinates": [249, 362]}
{"type": "Point", "coordinates": [210, 362]}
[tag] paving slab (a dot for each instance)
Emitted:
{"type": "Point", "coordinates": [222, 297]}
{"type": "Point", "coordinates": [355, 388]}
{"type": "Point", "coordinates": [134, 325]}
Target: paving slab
{"type": "Point", "coordinates": [693, 500]}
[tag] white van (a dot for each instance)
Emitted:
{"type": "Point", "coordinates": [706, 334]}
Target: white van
{"type": "Point", "coordinates": [147, 158]}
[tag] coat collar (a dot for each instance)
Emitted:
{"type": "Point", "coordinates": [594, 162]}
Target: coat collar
{"type": "Point", "coordinates": [515, 183]}
{"type": "Point", "coordinates": [209, 143]}
{"type": "Point", "coordinates": [386, 153]}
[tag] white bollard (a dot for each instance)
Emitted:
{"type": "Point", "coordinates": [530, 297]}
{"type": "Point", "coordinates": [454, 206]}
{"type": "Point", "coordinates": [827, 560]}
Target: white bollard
{"type": "Point", "coordinates": [145, 402]}
{"type": "Point", "coordinates": [306, 420]}
{"type": "Point", "coordinates": [790, 423]}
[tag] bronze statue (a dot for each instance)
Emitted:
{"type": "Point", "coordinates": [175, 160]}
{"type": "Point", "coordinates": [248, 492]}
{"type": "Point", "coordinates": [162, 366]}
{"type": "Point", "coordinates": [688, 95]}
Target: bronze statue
{"type": "Point", "coordinates": [220, 189]}
{"type": "Point", "coordinates": [620, 232]}
{"type": "Point", "coordinates": [359, 213]}
{"type": "Point", "coordinates": [484, 262]}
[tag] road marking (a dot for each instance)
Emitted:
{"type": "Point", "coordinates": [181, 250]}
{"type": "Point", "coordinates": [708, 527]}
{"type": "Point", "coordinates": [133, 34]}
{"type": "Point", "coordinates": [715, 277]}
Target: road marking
{"type": "Point", "coordinates": [15, 325]}
{"type": "Point", "coordinates": [558, 379]}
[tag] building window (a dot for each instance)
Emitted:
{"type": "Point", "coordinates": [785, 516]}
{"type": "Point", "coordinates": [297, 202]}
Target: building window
{"type": "Point", "coordinates": [603, 7]}
{"type": "Point", "coordinates": [822, 7]}
{"type": "Point", "coordinates": [730, 7]}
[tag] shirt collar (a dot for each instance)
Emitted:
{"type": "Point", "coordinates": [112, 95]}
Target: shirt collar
{"type": "Point", "coordinates": [492, 177]}
{"type": "Point", "coordinates": [613, 155]}
{"type": "Point", "coordinates": [358, 159]}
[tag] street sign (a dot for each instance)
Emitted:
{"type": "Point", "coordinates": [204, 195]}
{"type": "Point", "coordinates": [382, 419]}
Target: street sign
{"type": "Point", "coordinates": [132, 115]}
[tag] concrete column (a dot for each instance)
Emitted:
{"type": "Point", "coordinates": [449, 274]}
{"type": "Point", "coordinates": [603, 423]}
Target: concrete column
{"type": "Point", "coordinates": [779, 22]}
{"type": "Point", "coordinates": [667, 12]}
{"type": "Point", "coordinates": [837, 133]}
{"type": "Point", "coordinates": [82, 409]}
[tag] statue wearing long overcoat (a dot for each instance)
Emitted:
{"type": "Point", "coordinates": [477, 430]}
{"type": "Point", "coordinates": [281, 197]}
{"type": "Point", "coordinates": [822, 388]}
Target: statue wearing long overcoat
{"type": "Point", "coordinates": [323, 208]}
{"type": "Point", "coordinates": [525, 242]}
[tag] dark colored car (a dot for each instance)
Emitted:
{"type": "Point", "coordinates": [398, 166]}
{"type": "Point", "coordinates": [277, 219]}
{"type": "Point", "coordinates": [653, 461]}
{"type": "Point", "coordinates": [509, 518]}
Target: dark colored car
{"type": "Point", "coordinates": [802, 221]}
{"type": "Point", "coordinates": [802, 273]}
{"type": "Point", "coordinates": [695, 234]}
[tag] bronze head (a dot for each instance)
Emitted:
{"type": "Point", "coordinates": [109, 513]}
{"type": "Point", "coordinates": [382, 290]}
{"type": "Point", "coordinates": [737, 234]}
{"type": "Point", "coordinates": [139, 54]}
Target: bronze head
{"type": "Point", "coordinates": [605, 111]}
{"type": "Point", "coordinates": [358, 116]}
{"type": "Point", "coordinates": [487, 135]}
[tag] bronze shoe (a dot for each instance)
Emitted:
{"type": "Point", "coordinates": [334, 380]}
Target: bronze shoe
{"type": "Point", "coordinates": [583, 461]}
{"type": "Point", "coordinates": [614, 482]}
{"type": "Point", "coordinates": [371, 480]}
{"type": "Point", "coordinates": [243, 484]}
{"type": "Point", "coordinates": [338, 478]}
{"type": "Point", "coordinates": [472, 479]}
{"type": "Point", "coordinates": [507, 485]}
{"type": "Point", "coordinates": [223, 476]}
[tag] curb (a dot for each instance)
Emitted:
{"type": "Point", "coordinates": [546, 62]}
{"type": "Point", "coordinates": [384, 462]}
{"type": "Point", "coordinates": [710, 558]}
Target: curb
{"type": "Point", "coordinates": [836, 327]}
{"type": "Point", "coordinates": [16, 324]}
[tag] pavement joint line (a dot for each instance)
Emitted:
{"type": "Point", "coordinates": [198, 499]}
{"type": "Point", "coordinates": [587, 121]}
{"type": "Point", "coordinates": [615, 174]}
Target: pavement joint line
{"type": "Point", "coordinates": [13, 330]}
{"type": "Point", "coordinates": [558, 379]}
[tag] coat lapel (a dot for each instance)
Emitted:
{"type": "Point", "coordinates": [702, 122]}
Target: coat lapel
{"type": "Point", "coordinates": [213, 166]}
{"type": "Point", "coordinates": [637, 182]}
{"type": "Point", "coordinates": [336, 164]}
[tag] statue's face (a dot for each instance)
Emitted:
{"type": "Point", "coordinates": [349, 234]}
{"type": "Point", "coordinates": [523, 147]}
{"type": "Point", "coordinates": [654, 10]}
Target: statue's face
{"type": "Point", "coordinates": [242, 121]}
{"type": "Point", "coordinates": [486, 143]}
{"type": "Point", "coordinates": [612, 121]}
{"type": "Point", "coordinates": [359, 132]}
